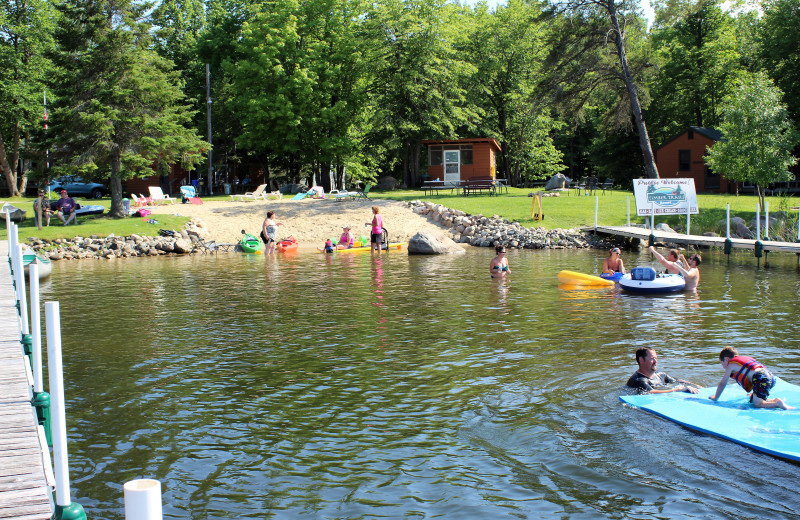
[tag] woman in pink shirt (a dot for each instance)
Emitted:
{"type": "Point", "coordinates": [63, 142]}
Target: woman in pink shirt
{"type": "Point", "coordinates": [377, 229]}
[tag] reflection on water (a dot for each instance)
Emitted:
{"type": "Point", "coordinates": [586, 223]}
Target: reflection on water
{"type": "Point", "coordinates": [361, 386]}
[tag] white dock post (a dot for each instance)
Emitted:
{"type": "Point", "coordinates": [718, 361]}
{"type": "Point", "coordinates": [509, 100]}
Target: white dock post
{"type": "Point", "coordinates": [758, 222]}
{"type": "Point", "coordinates": [36, 327]}
{"type": "Point", "coordinates": [629, 210]}
{"type": "Point", "coordinates": [688, 220]}
{"type": "Point", "coordinates": [728, 220]}
{"type": "Point", "coordinates": [64, 505]}
{"type": "Point", "coordinates": [22, 298]}
{"type": "Point", "coordinates": [652, 216]}
{"type": "Point", "coordinates": [596, 203]}
{"type": "Point", "coordinates": [143, 499]}
{"type": "Point", "coordinates": [766, 220]}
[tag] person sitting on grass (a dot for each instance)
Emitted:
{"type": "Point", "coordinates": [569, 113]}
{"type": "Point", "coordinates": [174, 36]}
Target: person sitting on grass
{"type": "Point", "coordinates": [41, 210]}
{"type": "Point", "coordinates": [751, 375]}
{"type": "Point", "coordinates": [65, 208]}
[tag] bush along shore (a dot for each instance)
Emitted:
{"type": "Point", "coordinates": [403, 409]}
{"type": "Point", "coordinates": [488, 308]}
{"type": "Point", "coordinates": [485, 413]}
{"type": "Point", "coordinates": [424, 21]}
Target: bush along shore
{"type": "Point", "coordinates": [169, 242]}
{"type": "Point", "coordinates": [481, 231]}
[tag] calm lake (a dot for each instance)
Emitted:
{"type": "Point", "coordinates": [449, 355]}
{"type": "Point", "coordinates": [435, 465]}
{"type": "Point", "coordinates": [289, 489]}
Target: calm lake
{"type": "Point", "coordinates": [354, 387]}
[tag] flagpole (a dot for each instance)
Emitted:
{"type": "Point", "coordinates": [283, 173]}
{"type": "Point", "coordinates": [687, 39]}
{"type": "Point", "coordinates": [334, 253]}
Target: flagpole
{"type": "Point", "coordinates": [46, 152]}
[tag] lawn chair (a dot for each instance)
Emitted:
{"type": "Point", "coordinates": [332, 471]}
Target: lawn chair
{"type": "Point", "coordinates": [608, 184]}
{"type": "Point", "coordinates": [158, 196]}
{"type": "Point", "coordinates": [361, 194]}
{"type": "Point", "coordinates": [137, 201]}
{"type": "Point", "coordinates": [258, 193]}
{"type": "Point", "coordinates": [148, 201]}
{"type": "Point", "coordinates": [198, 244]}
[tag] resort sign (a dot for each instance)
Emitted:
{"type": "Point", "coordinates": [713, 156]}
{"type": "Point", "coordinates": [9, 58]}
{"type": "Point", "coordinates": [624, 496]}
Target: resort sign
{"type": "Point", "coordinates": [664, 196]}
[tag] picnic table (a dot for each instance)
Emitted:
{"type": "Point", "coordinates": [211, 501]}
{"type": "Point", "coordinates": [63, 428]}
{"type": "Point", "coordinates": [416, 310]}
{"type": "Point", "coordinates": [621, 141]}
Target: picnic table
{"type": "Point", "coordinates": [439, 185]}
{"type": "Point", "coordinates": [479, 184]}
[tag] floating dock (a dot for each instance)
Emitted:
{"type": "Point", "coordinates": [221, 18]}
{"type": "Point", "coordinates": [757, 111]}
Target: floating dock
{"type": "Point", "coordinates": [24, 492]}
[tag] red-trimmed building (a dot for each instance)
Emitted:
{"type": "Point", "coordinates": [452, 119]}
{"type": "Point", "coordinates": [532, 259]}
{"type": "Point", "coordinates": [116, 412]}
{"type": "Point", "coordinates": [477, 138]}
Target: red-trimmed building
{"type": "Point", "coordinates": [682, 157]}
{"type": "Point", "coordinates": [453, 160]}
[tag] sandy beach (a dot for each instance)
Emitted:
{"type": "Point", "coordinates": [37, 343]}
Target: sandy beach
{"type": "Point", "coordinates": [310, 221]}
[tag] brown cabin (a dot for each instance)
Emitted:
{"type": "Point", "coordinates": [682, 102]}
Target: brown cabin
{"type": "Point", "coordinates": [682, 157]}
{"type": "Point", "coordinates": [454, 160]}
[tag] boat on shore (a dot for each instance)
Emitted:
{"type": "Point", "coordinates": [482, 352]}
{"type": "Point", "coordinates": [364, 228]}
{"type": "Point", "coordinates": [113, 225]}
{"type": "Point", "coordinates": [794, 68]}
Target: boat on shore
{"type": "Point", "coordinates": [44, 264]}
{"type": "Point", "coordinates": [250, 243]}
{"type": "Point", "coordinates": [288, 245]}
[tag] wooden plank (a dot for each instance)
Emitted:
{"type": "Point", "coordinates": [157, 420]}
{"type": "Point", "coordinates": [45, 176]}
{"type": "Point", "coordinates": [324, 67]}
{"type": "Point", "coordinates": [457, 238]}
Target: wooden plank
{"type": "Point", "coordinates": [24, 494]}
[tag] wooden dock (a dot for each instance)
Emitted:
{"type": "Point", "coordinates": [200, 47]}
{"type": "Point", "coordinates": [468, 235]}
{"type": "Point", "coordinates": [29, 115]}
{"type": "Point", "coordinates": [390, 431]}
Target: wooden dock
{"type": "Point", "coordinates": [697, 240]}
{"type": "Point", "coordinates": [24, 493]}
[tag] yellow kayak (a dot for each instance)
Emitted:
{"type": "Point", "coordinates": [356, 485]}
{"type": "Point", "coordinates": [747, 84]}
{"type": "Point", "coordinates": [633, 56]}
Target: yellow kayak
{"type": "Point", "coordinates": [396, 245]}
{"type": "Point", "coordinates": [574, 278]}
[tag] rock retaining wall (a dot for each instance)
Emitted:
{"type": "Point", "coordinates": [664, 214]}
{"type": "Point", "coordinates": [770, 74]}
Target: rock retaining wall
{"type": "Point", "coordinates": [112, 247]}
{"type": "Point", "coordinates": [481, 231]}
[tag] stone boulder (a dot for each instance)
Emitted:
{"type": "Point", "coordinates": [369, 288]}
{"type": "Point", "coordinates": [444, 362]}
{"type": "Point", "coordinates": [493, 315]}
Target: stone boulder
{"type": "Point", "coordinates": [432, 243]}
{"type": "Point", "coordinates": [182, 246]}
{"type": "Point", "coordinates": [663, 226]}
{"type": "Point", "coordinates": [739, 226]}
{"type": "Point", "coordinates": [556, 182]}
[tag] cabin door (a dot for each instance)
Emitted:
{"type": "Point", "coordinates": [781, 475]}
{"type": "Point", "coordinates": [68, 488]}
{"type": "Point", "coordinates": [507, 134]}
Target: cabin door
{"type": "Point", "coordinates": [452, 167]}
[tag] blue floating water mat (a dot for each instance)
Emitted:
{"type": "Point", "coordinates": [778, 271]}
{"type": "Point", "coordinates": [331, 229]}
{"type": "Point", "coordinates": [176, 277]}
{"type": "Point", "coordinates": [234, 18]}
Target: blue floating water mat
{"type": "Point", "coordinates": [733, 417]}
{"type": "Point", "coordinates": [300, 196]}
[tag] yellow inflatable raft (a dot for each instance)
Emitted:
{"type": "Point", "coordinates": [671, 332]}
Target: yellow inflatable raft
{"type": "Point", "coordinates": [583, 280]}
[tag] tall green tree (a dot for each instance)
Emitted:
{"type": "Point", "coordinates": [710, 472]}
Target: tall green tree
{"type": "Point", "coordinates": [699, 63]}
{"type": "Point", "coordinates": [421, 89]}
{"type": "Point", "coordinates": [507, 48]}
{"type": "Point", "coordinates": [609, 25]}
{"type": "Point", "coordinates": [779, 49]}
{"type": "Point", "coordinates": [758, 135]}
{"type": "Point", "coordinates": [25, 39]}
{"type": "Point", "coordinates": [119, 110]}
{"type": "Point", "coordinates": [302, 81]}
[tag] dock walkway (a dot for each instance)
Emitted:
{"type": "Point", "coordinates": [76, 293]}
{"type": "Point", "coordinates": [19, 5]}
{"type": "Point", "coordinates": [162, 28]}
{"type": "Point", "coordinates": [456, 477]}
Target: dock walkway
{"type": "Point", "coordinates": [697, 240]}
{"type": "Point", "coordinates": [23, 490]}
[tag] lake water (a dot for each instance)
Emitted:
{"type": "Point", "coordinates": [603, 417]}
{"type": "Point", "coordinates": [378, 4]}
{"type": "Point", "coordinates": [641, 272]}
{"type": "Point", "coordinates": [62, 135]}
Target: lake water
{"type": "Point", "coordinates": [409, 387]}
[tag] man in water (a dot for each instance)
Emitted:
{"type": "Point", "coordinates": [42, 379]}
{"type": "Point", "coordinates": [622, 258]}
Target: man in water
{"type": "Point", "coordinates": [672, 256]}
{"type": "Point", "coordinates": [648, 380]}
{"type": "Point", "coordinates": [691, 274]}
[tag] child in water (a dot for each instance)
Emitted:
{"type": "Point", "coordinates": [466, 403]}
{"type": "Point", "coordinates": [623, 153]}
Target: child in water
{"type": "Point", "coordinates": [751, 375]}
{"type": "Point", "coordinates": [498, 267]}
{"type": "Point", "coordinates": [329, 247]}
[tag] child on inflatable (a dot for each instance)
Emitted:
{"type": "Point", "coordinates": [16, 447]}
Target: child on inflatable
{"type": "Point", "coordinates": [751, 375]}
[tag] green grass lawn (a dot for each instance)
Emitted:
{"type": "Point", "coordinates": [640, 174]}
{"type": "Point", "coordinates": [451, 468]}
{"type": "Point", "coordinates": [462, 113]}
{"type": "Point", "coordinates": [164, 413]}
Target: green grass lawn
{"type": "Point", "coordinates": [560, 212]}
{"type": "Point", "coordinates": [575, 211]}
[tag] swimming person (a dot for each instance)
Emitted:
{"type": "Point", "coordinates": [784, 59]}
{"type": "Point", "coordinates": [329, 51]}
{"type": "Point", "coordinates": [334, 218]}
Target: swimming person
{"type": "Point", "coordinates": [329, 248]}
{"type": "Point", "coordinates": [751, 375]}
{"type": "Point", "coordinates": [269, 233]}
{"type": "Point", "coordinates": [376, 235]}
{"type": "Point", "coordinates": [691, 273]}
{"type": "Point", "coordinates": [498, 267]}
{"type": "Point", "coordinates": [613, 264]}
{"type": "Point", "coordinates": [347, 240]}
{"type": "Point", "coordinates": [647, 379]}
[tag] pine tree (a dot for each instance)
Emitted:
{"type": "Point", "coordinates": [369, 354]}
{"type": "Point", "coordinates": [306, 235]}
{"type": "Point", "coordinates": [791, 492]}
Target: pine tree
{"type": "Point", "coordinates": [119, 109]}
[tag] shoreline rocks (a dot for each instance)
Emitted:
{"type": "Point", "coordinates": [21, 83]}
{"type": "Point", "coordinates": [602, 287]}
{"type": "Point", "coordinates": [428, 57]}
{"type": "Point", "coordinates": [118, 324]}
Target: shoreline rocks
{"type": "Point", "coordinates": [482, 231]}
{"type": "Point", "coordinates": [113, 247]}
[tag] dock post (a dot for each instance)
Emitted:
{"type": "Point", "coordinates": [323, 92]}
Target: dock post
{"type": "Point", "coordinates": [65, 509]}
{"type": "Point", "coordinates": [728, 243]}
{"type": "Point", "coordinates": [629, 217]}
{"type": "Point", "coordinates": [22, 299]}
{"type": "Point", "coordinates": [41, 399]}
{"type": "Point", "coordinates": [143, 499]}
{"type": "Point", "coordinates": [652, 238]}
{"type": "Point", "coordinates": [688, 219]}
{"type": "Point", "coordinates": [766, 220]}
{"type": "Point", "coordinates": [596, 203]}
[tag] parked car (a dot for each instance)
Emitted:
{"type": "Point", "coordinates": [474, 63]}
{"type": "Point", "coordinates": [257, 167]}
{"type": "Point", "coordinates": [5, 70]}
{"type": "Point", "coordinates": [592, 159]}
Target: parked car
{"type": "Point", "coordinates": [77, 186]}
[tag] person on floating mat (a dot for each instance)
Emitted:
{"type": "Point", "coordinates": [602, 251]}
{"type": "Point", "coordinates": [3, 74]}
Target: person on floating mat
{"type": "Point", "coordinates": [613, 264]}
{"type": "Point", "coordinates": [751, 375]}
{"type": "Point", "coordinates": [647, 379]}
{"type": "Point", "coordinates": [691, 273]}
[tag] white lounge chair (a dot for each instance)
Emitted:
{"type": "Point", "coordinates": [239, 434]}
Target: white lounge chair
{"type": "Point", "coordinates": [252, 195]}
{"type": "Point", "coordinates": [158, 196]}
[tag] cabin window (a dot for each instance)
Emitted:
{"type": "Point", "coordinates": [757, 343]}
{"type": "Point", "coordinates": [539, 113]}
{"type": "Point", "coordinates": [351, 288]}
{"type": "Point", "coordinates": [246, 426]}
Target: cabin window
{"type": "Point", "coordinates": [435, 156]}
{"type": "Point", "coordinates": [691, 134]}
{"type": "Point", "coordinates": [466, 154]}
{"type": "Point", "coordinates": [684, 160]}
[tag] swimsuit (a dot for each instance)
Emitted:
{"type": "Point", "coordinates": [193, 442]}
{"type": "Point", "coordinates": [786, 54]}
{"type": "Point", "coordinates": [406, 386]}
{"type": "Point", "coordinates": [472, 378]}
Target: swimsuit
{"type": "Point", "coordinates": [645, 384]}
{"type": "Point", "coordinates": [501, 267]}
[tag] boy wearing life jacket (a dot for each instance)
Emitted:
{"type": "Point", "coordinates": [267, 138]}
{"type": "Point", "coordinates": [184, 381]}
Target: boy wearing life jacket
{"type": "Point", "coordinates": [751, 375]}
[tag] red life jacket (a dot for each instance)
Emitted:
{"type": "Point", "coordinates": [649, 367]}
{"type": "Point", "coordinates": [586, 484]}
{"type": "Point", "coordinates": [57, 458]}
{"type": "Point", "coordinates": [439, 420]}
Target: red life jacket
{"type": "Point", "coordinates": [742, 376]}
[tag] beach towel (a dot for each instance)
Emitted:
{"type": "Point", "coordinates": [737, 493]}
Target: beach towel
{"type": "Point", "coordinates": [300, 196]}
